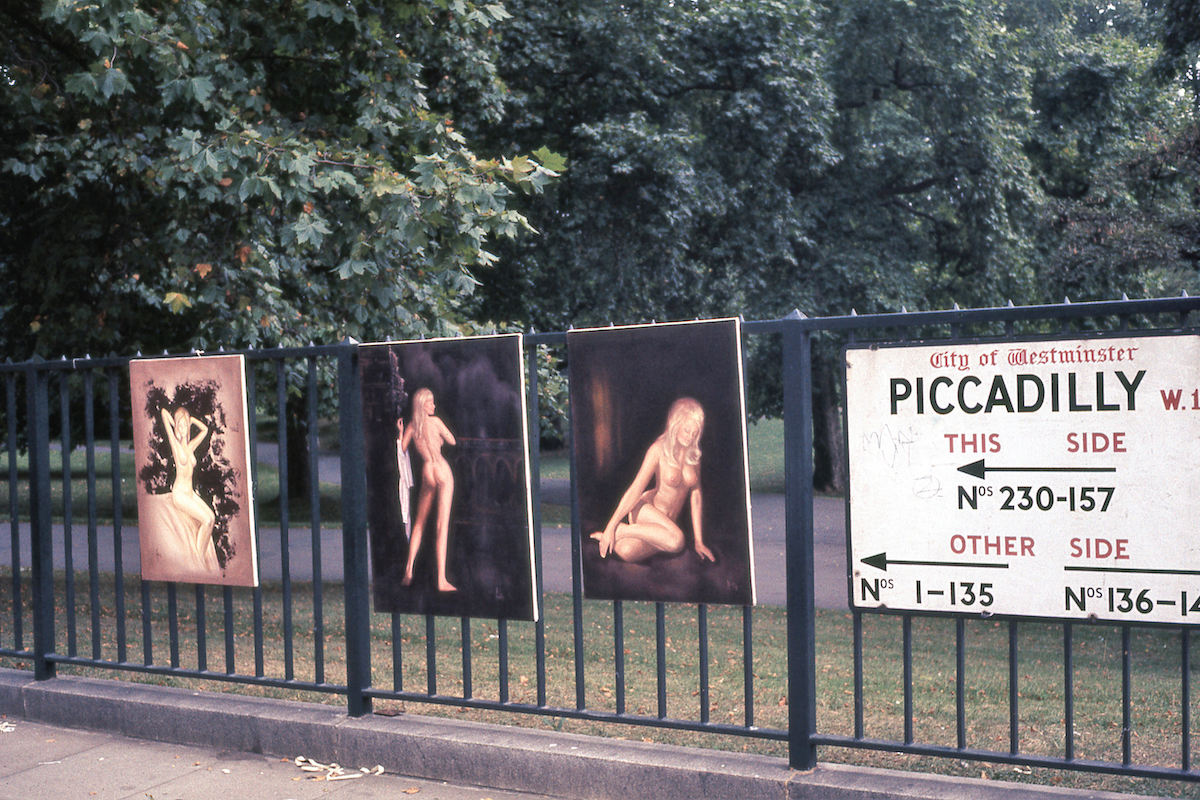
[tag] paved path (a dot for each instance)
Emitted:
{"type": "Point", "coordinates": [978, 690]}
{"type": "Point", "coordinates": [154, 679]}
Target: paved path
{"type": "Point", "coordinates": [767, 513]}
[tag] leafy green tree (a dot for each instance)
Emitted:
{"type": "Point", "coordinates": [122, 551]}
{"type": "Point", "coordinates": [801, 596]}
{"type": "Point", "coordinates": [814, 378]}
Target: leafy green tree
{"type": "Point", "coordinates": [931, 200]}
{"type": "Point", "coordinates": [1179, 26]}
{"type": "Point", "coordinates": [244, 174]}
{"type": "Point", "coordinates": [757, 157]}
{"type": "Point", "coordinates": [195, 174]}
{"type": "Point", "coordinates": [1136, 230]}
{"type": "Point", "coordinates": [1113, 140]}
{"type": "Point", "coordinates": [690, 131]}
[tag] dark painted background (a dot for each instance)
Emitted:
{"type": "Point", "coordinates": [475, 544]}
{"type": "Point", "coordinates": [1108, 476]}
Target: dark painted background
{"type": "Point", "coordinates": [623, 381]}
{"type": "Point", "coordinates": [477, 384]}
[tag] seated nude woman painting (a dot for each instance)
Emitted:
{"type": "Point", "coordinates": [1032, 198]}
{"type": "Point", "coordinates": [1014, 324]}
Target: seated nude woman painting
{"type": "Point", "coordinates": [645, 521]}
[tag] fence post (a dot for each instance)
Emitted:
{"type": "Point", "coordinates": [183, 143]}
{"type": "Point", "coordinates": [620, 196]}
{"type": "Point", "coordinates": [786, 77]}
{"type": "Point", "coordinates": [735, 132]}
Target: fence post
{"type": "Point", "coordinates": [801, 599]}
{"type": "Point", "coordinates": [354, 532]}
{"type": "Point", "coordinates": [40, 540]}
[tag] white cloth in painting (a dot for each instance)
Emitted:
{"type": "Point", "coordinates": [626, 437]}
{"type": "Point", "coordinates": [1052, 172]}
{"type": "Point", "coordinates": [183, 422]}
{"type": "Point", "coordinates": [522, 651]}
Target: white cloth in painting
{"type": "Point", "coordinates": [405, 486]}
{"type": "Point", "coordinates": [169, 549]}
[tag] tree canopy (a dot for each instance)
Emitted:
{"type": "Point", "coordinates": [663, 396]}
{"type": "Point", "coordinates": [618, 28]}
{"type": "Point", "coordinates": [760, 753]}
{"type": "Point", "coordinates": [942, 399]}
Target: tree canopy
{"type": "Point", "coordinates": [690, 131]}
{"type": "Point", "coordinates": [752, 157]}
{"type": "Point", "coordinates": [195, 174]}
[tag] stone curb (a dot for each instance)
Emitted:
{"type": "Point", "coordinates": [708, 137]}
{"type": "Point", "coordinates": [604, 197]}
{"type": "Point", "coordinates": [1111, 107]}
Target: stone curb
{"type": "Point", "coordinates": [498, 757]}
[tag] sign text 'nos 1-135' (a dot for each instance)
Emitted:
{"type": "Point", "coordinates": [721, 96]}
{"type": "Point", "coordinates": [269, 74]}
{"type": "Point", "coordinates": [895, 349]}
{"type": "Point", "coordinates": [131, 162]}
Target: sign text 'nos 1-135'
{"type": "Point", "coordinates": [1053, 478]}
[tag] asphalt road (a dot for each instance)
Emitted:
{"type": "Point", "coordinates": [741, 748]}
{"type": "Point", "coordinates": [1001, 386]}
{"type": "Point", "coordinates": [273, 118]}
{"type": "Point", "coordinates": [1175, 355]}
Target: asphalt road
{"type": "Point", "coordinates": [767, 512]}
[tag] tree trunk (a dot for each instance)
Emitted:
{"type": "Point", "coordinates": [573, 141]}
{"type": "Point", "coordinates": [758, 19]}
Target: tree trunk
{"type": "Point", "coordinates": [829, 458]}
{"type": "Point", "coordinates": [299, 471]}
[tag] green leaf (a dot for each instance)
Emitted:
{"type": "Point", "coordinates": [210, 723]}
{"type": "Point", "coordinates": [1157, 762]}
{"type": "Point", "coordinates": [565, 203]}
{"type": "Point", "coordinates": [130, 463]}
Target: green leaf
{"type": "Point", "coordinates": [550, 160]}
{"type": "Point", "coordinates": [177, 301]}
{"type": "Point", "coordinates": [200, 88]}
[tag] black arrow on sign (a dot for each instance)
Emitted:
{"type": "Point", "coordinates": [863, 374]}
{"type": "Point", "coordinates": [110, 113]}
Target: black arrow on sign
{"type": "Point", "coordinates": [881, 561]}
{"type": "Point", "coordinates": [977, 469]}
{"type": "Point", "coordinates": [1134, 570]}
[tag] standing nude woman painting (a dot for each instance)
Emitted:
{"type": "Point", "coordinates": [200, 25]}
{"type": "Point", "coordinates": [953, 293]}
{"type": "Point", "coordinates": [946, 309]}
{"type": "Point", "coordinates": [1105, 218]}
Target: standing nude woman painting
{"type": "Point", "coordinates": [183, 492]}
{"type": "Point", "coordinates": [429, 434]}
{"type": "Point", "coordinates": [644, 523]}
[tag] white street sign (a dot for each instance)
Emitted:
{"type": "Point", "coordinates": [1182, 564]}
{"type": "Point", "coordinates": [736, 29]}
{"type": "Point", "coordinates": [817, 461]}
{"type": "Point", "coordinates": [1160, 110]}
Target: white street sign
{"type": "Point", "coordinates": [1054, 478]}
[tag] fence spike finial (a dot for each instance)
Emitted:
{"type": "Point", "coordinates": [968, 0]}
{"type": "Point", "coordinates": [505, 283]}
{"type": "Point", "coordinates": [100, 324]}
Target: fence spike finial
{"type": "Point", "coordinates": [1066, 301]}
{"type": "Point", "coordinates": [956, 308]}
{"type": "Point", "coordinates": [853, 312]}
{"type": "Point", "coordinates": [1125, 297]}
{"type": "Point", "coordinates": [1184, 293]}
{"type": "Point", "coordinates": [903, 309]}
{"type": "Point", "coordinates": [1010, 303]}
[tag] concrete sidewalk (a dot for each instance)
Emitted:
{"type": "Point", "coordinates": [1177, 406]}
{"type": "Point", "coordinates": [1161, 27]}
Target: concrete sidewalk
{"type": "Point", "coordinates": [43, 762]}
{"type": "Point", "coordinates": [82, 737]}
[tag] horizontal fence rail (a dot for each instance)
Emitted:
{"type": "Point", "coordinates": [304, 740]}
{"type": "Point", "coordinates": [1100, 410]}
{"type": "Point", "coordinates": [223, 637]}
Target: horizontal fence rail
{"type": "Point", "coordinates": [1017, 692]}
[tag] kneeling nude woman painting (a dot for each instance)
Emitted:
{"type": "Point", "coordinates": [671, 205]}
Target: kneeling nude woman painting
{"type": "Point", "coordinates": [645, 521]}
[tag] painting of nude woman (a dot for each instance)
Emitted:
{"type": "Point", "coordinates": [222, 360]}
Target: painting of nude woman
{"type": "Point", "coordinates": [658, 425]}
{"type": "Point", "coordinates": [448, 500]}
{"type": "Point", "coordinates": [191, 447]}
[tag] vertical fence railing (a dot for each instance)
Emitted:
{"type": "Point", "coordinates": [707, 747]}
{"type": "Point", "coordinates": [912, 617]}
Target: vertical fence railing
{"type": "Point", "coordinates": [354, 533]}
{"type": "Point", "coordinates": [108, 617]}
{"type": "Point", "coordinates": [41, 554]}
{"type": "Point", "coordinates": [594, 677]}
{"type": "Point", "coordinates": [798, 481]}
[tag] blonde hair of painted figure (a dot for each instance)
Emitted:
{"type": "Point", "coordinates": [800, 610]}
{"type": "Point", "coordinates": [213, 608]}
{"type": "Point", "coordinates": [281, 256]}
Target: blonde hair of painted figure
{"type": "Point", "coordinates": [428, 433]}
{"type": "Point", "coordinates": [183, 493]}
{"type": "Point", "coordinates": [644, 523]}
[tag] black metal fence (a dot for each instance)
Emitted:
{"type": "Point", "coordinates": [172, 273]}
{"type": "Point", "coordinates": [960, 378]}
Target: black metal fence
{"type": "Point", "coordinates": [74, 599]}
